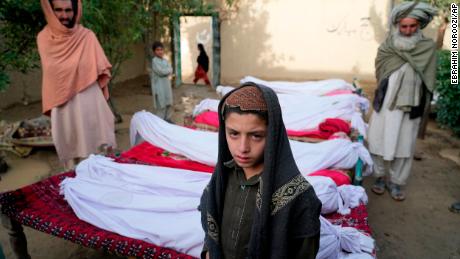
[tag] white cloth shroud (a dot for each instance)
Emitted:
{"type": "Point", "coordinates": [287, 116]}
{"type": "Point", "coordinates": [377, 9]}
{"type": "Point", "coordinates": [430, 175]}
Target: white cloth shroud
{"type": "Point", "coordinates": [202, 146]}
{"type": "Point", "coordinates": [306, 112]}
{"type": "Point", "coordinates": [334, 240]}
{"type": "Point", "coordinates": [337, 198]}
{"type": "Point", "coordinates": [154, 204]}
{"type": "Point", "coordinates": [159, 205]}
{"type": "Point", "coordinates": [320, 87]}
{"type": "Point", "coordinates": [286, 99]}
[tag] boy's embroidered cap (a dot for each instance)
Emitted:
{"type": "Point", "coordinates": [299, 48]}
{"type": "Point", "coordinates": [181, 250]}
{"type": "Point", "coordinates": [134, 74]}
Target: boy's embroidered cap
{"type": "Point", "coordinates": [247, 98]}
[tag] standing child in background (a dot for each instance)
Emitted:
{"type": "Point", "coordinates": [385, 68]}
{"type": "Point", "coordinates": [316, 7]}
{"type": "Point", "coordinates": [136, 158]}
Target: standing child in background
{"type": "Point", "coordinates": [160, 83]}
{"type": "Point", "coordinates": [203, 66]}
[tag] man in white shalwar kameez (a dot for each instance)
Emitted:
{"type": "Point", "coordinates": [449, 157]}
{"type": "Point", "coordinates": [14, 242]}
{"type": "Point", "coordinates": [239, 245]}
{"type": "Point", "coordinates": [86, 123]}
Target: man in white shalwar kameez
{"type": "Point", "coordinates": [405, 70]}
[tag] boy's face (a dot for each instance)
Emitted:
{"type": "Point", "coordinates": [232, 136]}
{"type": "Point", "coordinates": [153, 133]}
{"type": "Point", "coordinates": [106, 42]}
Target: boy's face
{"type": "Point", "coordinates": [246, 134]}
{"type": "Point", "coordinates": [159, 52]}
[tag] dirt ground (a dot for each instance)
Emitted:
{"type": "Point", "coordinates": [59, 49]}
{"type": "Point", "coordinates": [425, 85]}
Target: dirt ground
{"type": "Point", "coordinates": [420, 227]}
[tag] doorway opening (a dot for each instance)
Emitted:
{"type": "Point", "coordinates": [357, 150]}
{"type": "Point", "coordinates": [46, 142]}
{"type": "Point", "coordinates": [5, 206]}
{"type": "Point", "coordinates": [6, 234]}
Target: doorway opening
{"type": "Point", "coordinates": [188, 32]}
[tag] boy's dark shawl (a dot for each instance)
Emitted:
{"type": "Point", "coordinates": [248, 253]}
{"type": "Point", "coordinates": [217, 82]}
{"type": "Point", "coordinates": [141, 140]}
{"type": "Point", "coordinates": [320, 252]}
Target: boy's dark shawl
{"type": "Point", "coordinates": [286, 205]}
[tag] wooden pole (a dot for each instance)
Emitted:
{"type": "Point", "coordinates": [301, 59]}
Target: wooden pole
{"type": "Point", "coordinates": [18, 241]}
{"type": "Point", "coordinates": [425, 119]}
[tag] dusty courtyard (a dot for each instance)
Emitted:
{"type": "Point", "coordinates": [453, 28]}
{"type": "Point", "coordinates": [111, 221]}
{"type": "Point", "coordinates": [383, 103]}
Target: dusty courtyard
{"type": "Point", "coordinates": [420, 227]}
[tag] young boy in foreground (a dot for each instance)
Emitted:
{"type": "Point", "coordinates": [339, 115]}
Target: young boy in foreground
{"type": "Point", "coordinates": [257, 204]}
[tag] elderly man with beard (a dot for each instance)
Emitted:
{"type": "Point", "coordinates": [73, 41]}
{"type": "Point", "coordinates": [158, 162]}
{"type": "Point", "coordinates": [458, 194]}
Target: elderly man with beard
{"type": "Point", "coordinates": [76, 74]}
{"type": "Point", "coordinates": [405, 70]}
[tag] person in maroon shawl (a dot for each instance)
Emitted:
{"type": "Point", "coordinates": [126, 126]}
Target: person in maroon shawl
{"type": "Point", "coordinates": [203, 66]}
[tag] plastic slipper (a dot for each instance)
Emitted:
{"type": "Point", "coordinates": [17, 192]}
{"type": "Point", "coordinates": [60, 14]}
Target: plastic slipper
{"type": "Point", "coordinates": [455, 207]}
{"type": "Point", "coordinates": [396, 193]}
{"type": "Point", "coordinates": [379, 186]}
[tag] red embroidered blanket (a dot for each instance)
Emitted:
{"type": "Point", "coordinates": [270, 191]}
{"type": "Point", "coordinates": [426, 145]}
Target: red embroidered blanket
{"type": "Point", "coordinates": [40, 207]}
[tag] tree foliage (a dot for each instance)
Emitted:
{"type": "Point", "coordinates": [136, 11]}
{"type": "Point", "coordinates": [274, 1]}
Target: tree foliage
{"type": "Point", "coordinates": [444, 14]}
{"type": "Point", "coordinates": [121, 23]}
{"type": "Point", "coordinates": [442, 5]}
{"type": "Point", "coordinates": [117, 23]}
{"type": "Point", "coordinates": [448, 104]}
{"type": "Point", "coordinates": [20, 22]}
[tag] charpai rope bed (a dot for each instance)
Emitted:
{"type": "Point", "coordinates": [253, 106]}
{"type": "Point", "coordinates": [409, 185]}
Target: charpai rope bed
{"type": "Point", "coordinates": [206, 118]}
{"type": "Point", "coordinates": [315, 99]}
{"type": "Point", "coordinates": [41, 207]}
{"type": "Point", "coordinates": [208, 121]}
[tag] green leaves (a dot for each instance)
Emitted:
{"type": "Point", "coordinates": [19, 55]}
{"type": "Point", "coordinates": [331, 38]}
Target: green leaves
{"type": "Point", "coordinates": [4, 80]}
{"type": "Point", "coordinates": [20, 22]}
{"type": "Point", "coordinates": [448, 104]}
{"type": "Point", "coordinates": [118, 24]}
